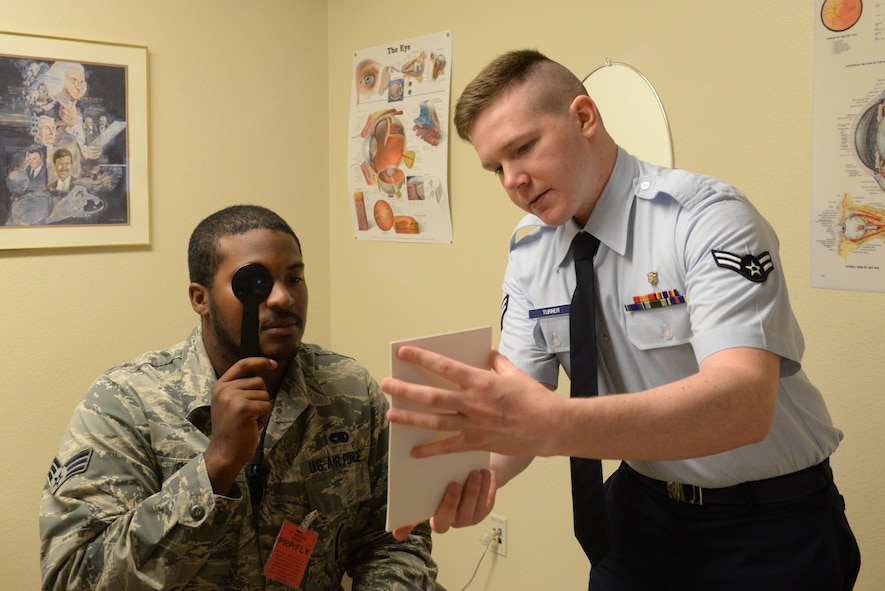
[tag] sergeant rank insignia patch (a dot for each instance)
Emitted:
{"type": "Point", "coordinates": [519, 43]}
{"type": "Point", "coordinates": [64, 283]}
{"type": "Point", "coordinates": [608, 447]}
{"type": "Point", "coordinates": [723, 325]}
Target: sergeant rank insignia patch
{"type": "Point", "coordinates": [59, 472]}
{"type": "Point", "coordinates": [748, 266]}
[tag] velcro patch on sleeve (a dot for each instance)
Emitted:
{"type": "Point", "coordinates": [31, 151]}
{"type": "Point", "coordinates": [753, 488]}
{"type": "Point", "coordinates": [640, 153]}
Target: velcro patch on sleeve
{"type": "Point", "coordinates": [59, 473]}
{"type": "Point", "coordinates": [749, 266]}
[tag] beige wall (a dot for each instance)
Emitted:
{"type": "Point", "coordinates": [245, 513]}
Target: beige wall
{"type": "Point", "coordinates": [238, 89]}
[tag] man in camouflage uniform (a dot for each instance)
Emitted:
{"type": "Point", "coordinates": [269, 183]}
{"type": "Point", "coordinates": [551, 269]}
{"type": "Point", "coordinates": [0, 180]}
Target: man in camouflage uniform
{"type": "Point", "coordinates": [148, 490]}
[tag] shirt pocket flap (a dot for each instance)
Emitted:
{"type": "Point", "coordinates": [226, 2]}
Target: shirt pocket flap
{"type": "Point", "coordinates": [344, 482]}
{"type": "Point", "coordinates": [552, 333]}
{"type": "Point", "coordinates": [659, 327]}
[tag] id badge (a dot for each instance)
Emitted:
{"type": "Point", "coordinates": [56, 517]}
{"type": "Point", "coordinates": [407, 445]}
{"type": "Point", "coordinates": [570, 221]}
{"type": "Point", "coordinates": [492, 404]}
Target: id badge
{"type": "Point", "coordinates": [291, 552]}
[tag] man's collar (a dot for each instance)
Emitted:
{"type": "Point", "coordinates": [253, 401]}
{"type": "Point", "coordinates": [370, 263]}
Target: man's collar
{"type": "Point", "coordinates": [610, 219]}
{"type": "Point", "coordinates": [611, 216]}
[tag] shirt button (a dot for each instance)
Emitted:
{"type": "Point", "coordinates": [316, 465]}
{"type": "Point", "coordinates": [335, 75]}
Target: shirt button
{"type": "Point", "coordinates": [605, 337]}
{"type": "Point", "coordinates": [556, 340]}
{"type": "Point", "coordinates": [668, 334]}
{"type": "Point", "coordinates": [198, 512]}
{"type": "Point", "coordinates": [644, 185]}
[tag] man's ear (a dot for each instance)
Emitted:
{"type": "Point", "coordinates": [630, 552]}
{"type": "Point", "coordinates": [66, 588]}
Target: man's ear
{"type": "Point", "coordinates": [587, 114]}
{"type": "Point", "coordinates": [199, 296]}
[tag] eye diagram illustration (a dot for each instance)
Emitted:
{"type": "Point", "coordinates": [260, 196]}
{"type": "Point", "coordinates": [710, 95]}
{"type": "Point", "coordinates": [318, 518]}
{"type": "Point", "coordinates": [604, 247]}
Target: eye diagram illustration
{"type": "Point", "coordinates": [384, 147]}
{"type": "Point", "coordinates": [415, 67]}
{"type": "Point", "coordinates": [367, 78]}
{"type": "Point", "coordinates": [439, 64]}
{"type": "Point", "coordinates": [840, 15]}
{"type": "Point", "coordinates": [373, 80]}
{"type": "Point", "coordinates": [859, 224]}
{"type": "Point", "coordinates": [869, 139]}
{"type": "Point", "coordinates": [427, 125]}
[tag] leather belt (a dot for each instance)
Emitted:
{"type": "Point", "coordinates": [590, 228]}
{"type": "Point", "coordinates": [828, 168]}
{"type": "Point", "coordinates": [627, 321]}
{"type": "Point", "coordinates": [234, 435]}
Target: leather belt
{"type": "Point", "coordinates": [779, 489]}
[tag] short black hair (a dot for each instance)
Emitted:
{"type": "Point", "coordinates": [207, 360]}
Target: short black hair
{"type": "Point", "coordinates": [203, 257]}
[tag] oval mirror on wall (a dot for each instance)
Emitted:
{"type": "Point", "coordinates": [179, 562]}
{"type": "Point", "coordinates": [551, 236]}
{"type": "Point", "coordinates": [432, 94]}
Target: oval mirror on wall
{"type": "Point", "coordinates": [632, 111]}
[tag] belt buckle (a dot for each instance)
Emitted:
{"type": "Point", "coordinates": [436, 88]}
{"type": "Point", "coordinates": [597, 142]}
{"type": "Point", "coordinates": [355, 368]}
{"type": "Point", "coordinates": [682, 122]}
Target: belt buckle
{"type": "Point", "coordinates": [677, 492]}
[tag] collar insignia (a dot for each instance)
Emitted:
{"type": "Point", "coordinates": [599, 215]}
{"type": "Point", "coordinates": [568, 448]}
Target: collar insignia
{"type": "Point", "coordinates": [749, 266]}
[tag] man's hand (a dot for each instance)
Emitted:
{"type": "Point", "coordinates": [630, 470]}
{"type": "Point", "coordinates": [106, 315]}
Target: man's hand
{"type": "Point", "coordinates": [728, 403]}
{"type": "Point", "coordinates": [67, 113]}
{"type": "Point", "coordinates": [503, 411]}
{"type": "Point", "coordinates": [462, 505]}
{"type": "Point", "coordinates": [240, 409]}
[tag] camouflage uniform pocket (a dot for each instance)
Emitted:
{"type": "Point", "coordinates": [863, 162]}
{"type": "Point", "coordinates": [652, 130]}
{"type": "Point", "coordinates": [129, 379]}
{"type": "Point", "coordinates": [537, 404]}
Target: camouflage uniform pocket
{"type": "Point", "coordinates": [337, 483]}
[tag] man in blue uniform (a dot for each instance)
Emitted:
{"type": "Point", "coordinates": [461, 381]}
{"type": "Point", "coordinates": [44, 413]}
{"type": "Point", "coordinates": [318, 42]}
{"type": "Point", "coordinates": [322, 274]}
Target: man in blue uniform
{"type": "Point", "coordinates": [725, 481]}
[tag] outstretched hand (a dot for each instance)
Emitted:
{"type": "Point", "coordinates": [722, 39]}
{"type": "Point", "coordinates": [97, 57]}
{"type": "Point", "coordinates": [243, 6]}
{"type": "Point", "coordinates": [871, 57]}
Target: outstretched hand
{"type": "Point", "coordinates": [503, 411]}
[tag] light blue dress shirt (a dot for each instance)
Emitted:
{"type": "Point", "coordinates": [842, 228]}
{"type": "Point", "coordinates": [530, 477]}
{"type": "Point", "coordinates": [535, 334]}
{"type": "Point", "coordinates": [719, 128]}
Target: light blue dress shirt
{"type": "Point", "coordinates": [686, 267]}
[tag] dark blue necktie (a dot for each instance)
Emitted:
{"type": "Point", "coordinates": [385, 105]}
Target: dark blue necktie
{"type": "Point", "coordinates": [588, 494]}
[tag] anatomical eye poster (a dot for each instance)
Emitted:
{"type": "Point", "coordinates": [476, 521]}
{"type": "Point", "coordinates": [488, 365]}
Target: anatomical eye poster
{"type": "Point", "coordinates": [848, 157]}
{"type": "Point", "coordinates": [398, 141]}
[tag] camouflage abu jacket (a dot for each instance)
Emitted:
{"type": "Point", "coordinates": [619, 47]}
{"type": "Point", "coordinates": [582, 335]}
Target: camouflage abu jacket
{"type": "Point", "coordinates": [128, 503]}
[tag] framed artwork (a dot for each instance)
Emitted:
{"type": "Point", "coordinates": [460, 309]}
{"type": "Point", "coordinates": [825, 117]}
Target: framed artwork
{"type": "Point", "coordinates": [73, 143]}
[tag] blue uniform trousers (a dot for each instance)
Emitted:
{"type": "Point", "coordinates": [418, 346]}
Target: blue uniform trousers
{"type": "Point", "coordinates": [725, 544]}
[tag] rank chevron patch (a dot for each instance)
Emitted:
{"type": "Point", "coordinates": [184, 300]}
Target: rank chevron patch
{"type": "Point", "coordinates": [748, 266]}
{"type": "Point", "coordinates": [504, 303]}
{"type": "Point", "coordinates": [59, 472]}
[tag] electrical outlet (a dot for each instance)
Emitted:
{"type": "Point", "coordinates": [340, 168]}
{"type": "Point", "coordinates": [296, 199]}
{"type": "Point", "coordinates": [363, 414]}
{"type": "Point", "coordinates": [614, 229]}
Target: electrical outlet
{"type": "Point", "coordinates": [499, 526]}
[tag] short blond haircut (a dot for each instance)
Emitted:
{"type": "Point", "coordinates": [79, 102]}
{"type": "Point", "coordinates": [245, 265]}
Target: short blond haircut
{"type": "Point", "coordinates": [553, 85]}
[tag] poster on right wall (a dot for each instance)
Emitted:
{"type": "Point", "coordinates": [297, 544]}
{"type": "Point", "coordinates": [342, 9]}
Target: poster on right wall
{"type": "Point", "coordinates": [848, 147]}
